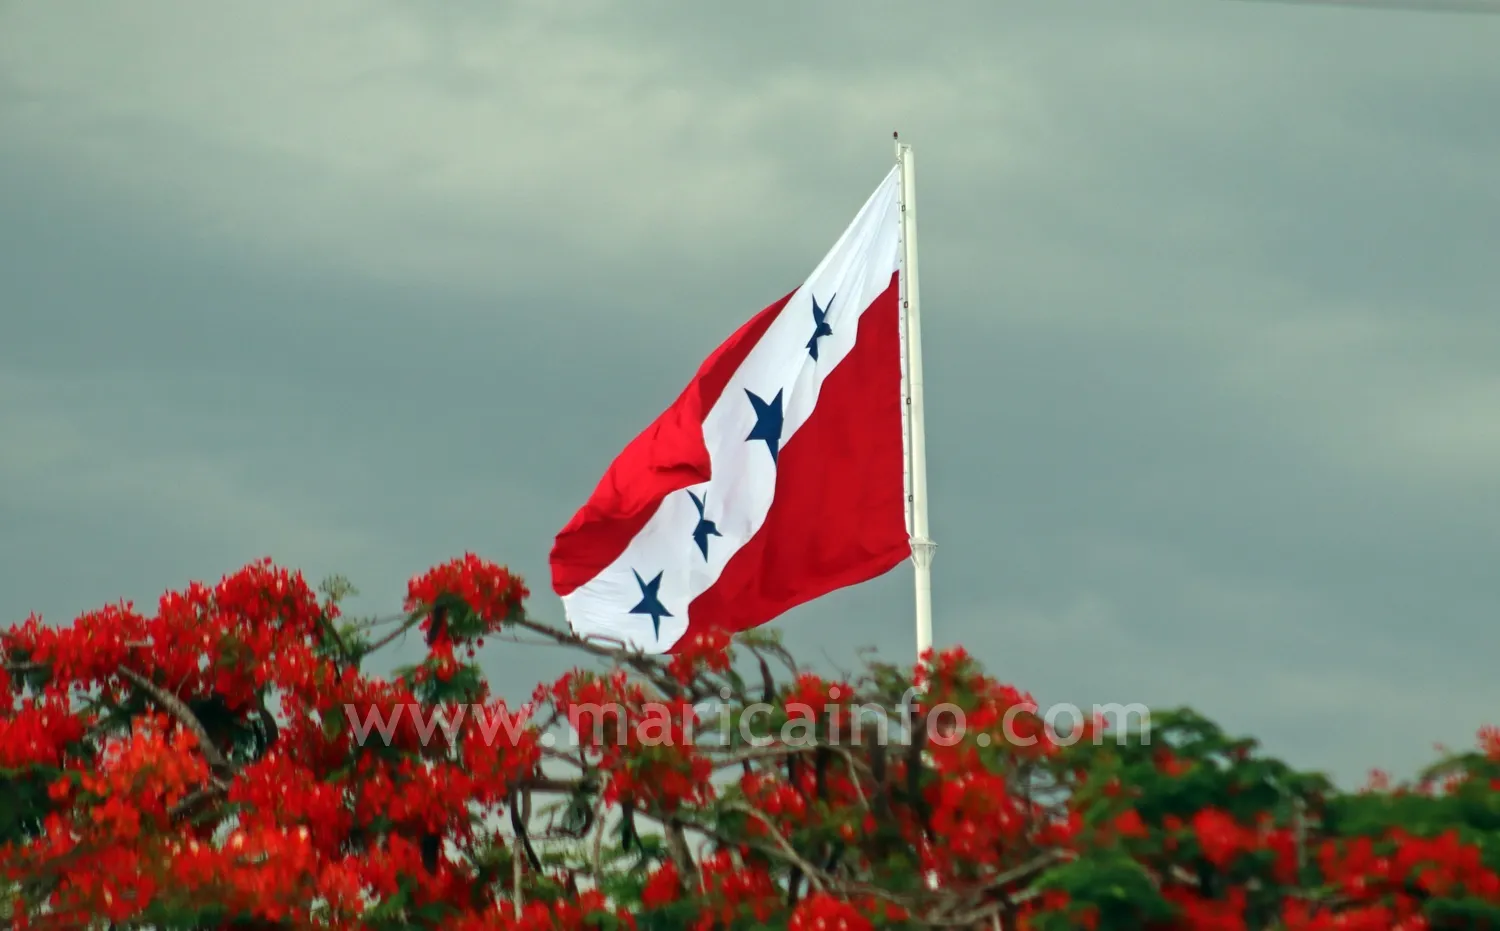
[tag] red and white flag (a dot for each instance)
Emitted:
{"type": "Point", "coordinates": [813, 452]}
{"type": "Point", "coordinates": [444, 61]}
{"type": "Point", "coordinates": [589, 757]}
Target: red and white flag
{"type": "Point", "coordinates": [776, 477]}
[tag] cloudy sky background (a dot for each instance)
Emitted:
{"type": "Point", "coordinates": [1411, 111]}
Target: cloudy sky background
{"type": "Point", "coordinates": [1213, 359]}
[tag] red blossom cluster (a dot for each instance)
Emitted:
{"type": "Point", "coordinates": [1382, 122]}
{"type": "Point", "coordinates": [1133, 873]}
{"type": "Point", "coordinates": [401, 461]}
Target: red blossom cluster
{"type": "Point", "coordinates": [481, 588]}
{"type": "Point", "coordinates": [252, 630]}
{"type": "Point", "coordinates": [703, 650]}
{"type": "Point", "coordinates": [39, 733]}
{"type": "Point", "coordinates": [457, 604]}
{"type": "Point", "coordinates": [646, 748]}
{"type": "Point", "coordinates": [732, 888]}
{"type": "Point", "coordinates": [565, 915]}
{"type": "Point", "coordinates": [219, 763]}
{"type": "Point", "coordinates": [823, 912]}
{"type": "Point", "coordinates": [283, 818]}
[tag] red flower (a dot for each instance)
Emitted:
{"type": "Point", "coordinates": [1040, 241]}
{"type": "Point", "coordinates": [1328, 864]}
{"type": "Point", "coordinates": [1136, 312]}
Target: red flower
{"type": "Point", "coordinates": [822, 912]}
{"type": "Point", "coordinates": [1130, 824]}
{"type": "Point", "coordinates": [1220, 837]}
{"type": "Point", "coordinates": [663, 887]}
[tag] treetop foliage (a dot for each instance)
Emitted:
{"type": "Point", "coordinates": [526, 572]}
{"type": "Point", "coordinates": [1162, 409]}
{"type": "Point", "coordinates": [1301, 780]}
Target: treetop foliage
{"type": "Point", "coordinates": [225, 762]}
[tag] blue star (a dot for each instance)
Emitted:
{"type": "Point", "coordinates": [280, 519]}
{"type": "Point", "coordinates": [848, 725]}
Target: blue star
{"type": "Point", "coordinates": [705, 528]}
{"type": "Point", "coordinates": [767, 422]}
{"type": "Point", "coordinates": [820, 326]}
{"type": "Point", "coordinates": [650, 603]}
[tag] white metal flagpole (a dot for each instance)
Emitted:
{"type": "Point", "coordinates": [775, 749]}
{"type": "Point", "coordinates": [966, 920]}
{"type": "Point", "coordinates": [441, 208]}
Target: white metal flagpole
{"type": "Point", "coordinates": [922, 547]}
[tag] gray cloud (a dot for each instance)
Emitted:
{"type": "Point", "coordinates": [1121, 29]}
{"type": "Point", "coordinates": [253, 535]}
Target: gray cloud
{"type": "Point", "coordinates": [366, 284]}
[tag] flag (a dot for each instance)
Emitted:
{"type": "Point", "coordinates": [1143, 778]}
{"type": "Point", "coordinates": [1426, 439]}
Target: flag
{"type": "Point", "coordinates": [776, 477]}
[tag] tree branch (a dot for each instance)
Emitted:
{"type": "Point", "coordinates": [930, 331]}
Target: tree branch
{"type": "Point", "coordinates": [815, 877]}
{"type": "Point", "coordinates": [174, 706]}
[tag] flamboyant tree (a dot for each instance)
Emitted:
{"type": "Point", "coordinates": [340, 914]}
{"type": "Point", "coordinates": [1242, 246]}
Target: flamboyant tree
{"type": "Point", "coordinates": [224, 762]}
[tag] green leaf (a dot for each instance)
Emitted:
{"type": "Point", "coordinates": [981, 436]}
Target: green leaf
{"type": "Point", "coordinates": [1117, 886]}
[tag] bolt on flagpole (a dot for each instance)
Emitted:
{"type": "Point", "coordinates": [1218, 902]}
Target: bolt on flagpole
{"type": "Point", "coordinates": [922, 547]}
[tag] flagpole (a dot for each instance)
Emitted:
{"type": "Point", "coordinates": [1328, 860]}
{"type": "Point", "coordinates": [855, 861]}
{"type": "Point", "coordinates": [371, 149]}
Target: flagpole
{"type": "Point", "coordinates": [922, 547]}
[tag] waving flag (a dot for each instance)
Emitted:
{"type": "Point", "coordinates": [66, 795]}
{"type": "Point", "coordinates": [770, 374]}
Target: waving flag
{"type": "Point", "coordinates": [776, 477]}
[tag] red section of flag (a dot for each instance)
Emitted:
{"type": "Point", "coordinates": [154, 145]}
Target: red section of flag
{"type": "Point", "coordinates": [667, 456]}
{"type": "Point", "coordinates": [839, 514]}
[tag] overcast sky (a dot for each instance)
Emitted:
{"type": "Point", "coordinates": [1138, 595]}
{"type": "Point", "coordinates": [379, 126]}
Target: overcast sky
{"type": "Point", "coordinates": [1211, 337]}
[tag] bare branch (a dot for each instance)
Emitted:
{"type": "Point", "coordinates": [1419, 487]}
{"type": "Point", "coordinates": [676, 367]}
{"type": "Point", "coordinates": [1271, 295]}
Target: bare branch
{"type": "Point", "coordinates": [815, 877]}
{"type": "Point", "coordinates": [392, 637]}
{"type": "Point", "coordinates": [677, 849]}
{"type": "Point", "coordinates": [600, 823]}
{"type": "Point", "coordinates": [216, 788]}
{"type": "Point", "coordinates": [854, 766]}
{"type": "Point", "coordinates": [174, 706]}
